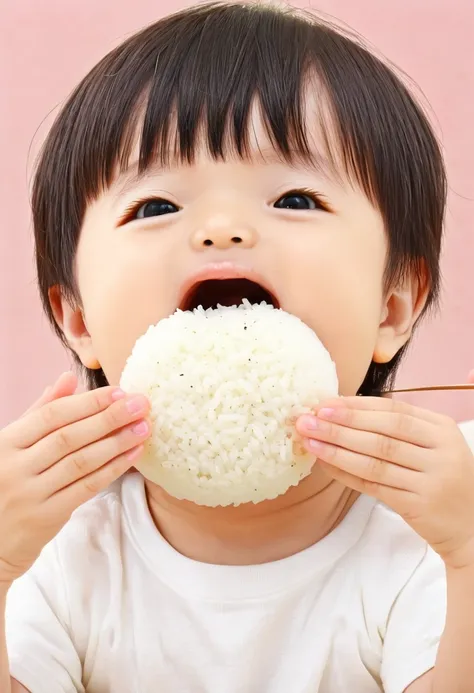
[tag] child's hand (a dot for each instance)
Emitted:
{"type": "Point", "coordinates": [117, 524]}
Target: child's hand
{"type": "Point", "coordinates": [62, 452]}
{"type": "Point", "coordinates": [415, 461]}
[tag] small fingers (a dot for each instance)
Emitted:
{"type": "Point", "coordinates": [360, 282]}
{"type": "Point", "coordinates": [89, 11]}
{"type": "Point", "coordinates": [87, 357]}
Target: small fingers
{"type": "Point", "coordinates": [368, 469]}
{"type": "Point", "coordinates": [393, 497]}
{"type": "Point", "coordinates": [71, 439]}
{"type": "Point", "coordinates": [371, 444]}
{"type": "Point", "coordinates": [85, 461]}
{"type": "Point", "coordinates": [65, 385]}
{"type": "Point", "coordinates": [383, 404]}
{"type": "Point", "coordinates": [54, 415]}
{"type": "Point", "coordinates": [71, 497]}
{"type": "Point", "coordinates": [393, 436]}
{"type": "Point", "coordinates": [41, 401]}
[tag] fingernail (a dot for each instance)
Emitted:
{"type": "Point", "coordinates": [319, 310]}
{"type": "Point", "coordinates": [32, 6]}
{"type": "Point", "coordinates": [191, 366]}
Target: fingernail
{"type": "Point", "coordinates": [140, 429]}
{"type": "Point", "coordinates": [137, 404]}
{"type": "Point", "coordinates": [117, 394]}
{"type": "Point", "coordinates": [310, 423]}
{"type": "Point", "coordinates": [326, 413]}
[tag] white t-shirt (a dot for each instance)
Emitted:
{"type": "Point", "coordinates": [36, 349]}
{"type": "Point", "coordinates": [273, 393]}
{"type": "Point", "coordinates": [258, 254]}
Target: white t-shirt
{"type": "Point", "coordinates": [111, 607]}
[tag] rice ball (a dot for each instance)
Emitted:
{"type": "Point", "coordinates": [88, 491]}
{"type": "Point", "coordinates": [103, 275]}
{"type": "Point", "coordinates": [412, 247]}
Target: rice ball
{"type": "Point", "coordinates": [226, 386]}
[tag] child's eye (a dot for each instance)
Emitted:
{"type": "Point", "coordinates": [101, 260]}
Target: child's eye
{"type": "Point", "coordinates": [144, 209]}
{"type": "Point", "coordinates": [301, 199]}
{"type": "Point", "coordinates": [155, 208]}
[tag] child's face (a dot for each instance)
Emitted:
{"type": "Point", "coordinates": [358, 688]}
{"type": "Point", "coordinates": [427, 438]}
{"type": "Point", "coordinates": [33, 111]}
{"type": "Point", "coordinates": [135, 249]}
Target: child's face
{"type": "Point", "coordinates": [327, 267]}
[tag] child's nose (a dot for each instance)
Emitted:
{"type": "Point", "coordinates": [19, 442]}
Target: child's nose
{"type": "Point", "coordinates": [222, 235]}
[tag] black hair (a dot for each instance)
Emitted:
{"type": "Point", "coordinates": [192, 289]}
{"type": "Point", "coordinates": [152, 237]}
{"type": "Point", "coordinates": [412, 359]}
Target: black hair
{"type": "Point", "coordinates": [195, 75]}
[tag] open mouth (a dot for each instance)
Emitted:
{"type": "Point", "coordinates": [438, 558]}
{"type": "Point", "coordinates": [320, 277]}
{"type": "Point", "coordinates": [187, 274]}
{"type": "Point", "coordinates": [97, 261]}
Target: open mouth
{"type": "Point", "coordinates": [226, 292]}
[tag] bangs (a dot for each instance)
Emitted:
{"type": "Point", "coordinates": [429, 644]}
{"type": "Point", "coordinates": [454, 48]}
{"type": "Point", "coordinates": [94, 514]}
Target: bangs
{"type": "Point", "coordinates": [192, 79]}
{"type": "Point", "coordinates": [194, 83]}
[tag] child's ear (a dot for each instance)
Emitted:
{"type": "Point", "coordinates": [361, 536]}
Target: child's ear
{"type": "Point", "coordinates": [71, 321]}
{"type": "Point", "coordinates": [402, 307]}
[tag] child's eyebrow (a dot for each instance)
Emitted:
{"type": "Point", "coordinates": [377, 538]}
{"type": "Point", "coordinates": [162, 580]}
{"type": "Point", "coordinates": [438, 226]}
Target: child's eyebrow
{"type": "Point", "coordinates": [314, 162]}
{"type": "Point", "coordinates": [130, 177]}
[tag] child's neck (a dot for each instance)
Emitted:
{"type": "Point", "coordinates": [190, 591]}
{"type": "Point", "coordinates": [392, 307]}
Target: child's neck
{"type": "Point", "coordinates": [252, 534]}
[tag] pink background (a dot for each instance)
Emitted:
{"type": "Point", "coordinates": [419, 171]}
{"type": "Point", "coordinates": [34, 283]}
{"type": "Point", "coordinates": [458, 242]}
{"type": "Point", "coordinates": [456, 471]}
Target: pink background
{"type": "Point", "coordinates": [46, 47]}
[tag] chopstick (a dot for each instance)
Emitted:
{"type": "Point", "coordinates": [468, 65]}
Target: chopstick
{"type": "Point", "coordinates": [431, 388]}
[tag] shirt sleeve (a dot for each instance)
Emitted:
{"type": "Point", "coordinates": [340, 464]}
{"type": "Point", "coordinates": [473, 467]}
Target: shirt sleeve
{"type": "Point", "coordinates": [40, 649]}
{"type": "Point", "coordinates": [415, 625]}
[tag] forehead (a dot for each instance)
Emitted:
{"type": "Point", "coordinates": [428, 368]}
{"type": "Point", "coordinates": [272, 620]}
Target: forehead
{"type": "Point", "coordinates": [312, 144]}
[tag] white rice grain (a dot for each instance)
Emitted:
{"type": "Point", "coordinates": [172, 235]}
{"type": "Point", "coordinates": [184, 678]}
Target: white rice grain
{"type": "Point", "coordinates": [225, 387]}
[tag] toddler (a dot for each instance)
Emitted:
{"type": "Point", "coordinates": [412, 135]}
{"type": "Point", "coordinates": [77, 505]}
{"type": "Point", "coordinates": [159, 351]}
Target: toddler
{"type": "Point", "coordinates": [253, 142]}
